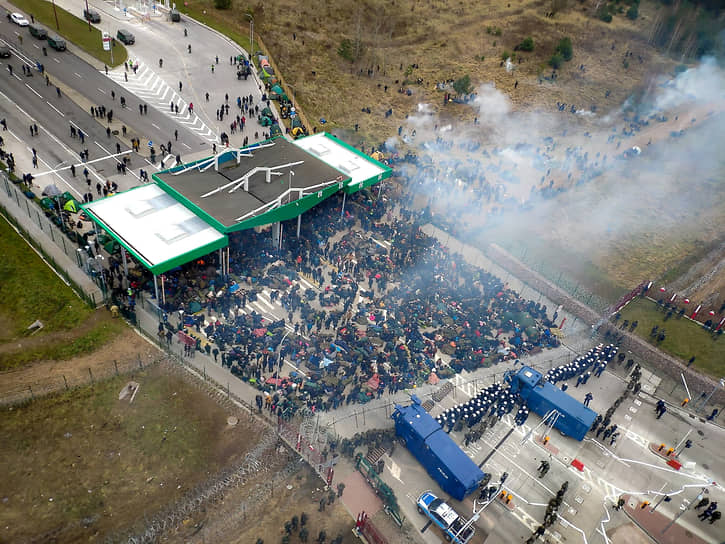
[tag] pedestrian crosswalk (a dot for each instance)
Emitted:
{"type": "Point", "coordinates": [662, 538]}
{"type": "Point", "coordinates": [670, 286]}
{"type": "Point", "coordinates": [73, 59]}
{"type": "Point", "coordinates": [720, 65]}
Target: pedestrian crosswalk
{"type": "Point", "coordinates": [153, 90]}
{"type": "Point", "coordinates": [264, 305]}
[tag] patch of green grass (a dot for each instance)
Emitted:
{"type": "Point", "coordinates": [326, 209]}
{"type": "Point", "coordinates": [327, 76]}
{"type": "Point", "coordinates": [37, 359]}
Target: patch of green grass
{"type": "Point", "coordinates": [85, 455]}
{"type": "Point", "coordinates": [683, 338]}
{"type": "Point", "coordinates": [29, 290]}
{"type": "Point", "coordinates": [220, 20]}
{"type": "Point", "coordinates": [59, 350]}
{"type": "Point", "coordinates": [75, 30]}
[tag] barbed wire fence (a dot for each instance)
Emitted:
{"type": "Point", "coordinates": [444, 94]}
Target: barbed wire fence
{"type": "Point", "coordinates": [67, 382]}
{"type": "Point", "coordinates": [257, 462]}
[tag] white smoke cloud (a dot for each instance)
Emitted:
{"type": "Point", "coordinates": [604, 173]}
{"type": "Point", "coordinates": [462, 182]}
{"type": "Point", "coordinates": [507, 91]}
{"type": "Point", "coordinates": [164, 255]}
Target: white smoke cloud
{"type": "Point", "coordinates": [605, 197]}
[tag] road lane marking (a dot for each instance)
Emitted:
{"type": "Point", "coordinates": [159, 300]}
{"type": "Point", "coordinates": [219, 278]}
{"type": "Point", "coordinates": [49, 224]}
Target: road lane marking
{"type": "Point", "coordinates": [104, 92]}
{"type": "Point", "coordinates": [78, 75]}
{"type": "Point", "coordinates": [157, 127]}
{"type": "Point", "coordinates": [56, 109]}
{"type": "Point", "coordinates": [36, 92]}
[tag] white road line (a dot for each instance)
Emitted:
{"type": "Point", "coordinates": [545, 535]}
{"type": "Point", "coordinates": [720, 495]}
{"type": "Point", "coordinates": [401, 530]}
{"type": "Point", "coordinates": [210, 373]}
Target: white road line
{"type": "Point", "coordinates": [17, 76]}
{"type": "Point", "coordinates": [260, 299]}
{"type": "Point", "coordinates": [187, 146]}
{"type": "Point", "coordinates": [36, 92]}
{"type": "Point", "coordinates": [61, 178]}
{"type": "Point", "coordinates": [56, 109]}
{"type": "Point", "coordinates": [115, 157]}
{"type": "Point", "coordinates": [157, 127]}
{"type": "Point", "coordinates": [56, 60]}
{"type": "Point", "coordinates": [78, 75]}
{"type": "Point", "coordinates": [14, 135]}
{"type": "Point", "coordinates": [104, 92]}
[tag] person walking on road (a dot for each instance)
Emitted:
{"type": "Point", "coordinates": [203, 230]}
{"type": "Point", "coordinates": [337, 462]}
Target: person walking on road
{"type": "Point", "coordinates": [587, 399]}
{"type": "Point", "coordinates": [543, 468]}
{"type": "Point", "coordinates": [703, 502]}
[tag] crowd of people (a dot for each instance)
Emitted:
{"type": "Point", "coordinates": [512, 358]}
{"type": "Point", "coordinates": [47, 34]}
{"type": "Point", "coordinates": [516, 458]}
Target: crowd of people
{"type": "Point", "coordinates": [382, 318]}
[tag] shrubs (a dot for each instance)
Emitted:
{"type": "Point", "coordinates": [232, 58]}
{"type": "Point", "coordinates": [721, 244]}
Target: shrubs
{"type": "Point", "coordinates": [556, 61]}
{"type": "Point", "coordinates": [604, 13]}
{"type": "Point", "coordinates": [527, 44]}
{"type": "Point", "coordinates": [565, 49]}
{"type": "Point", "coordinates": [463, 85]}
{"type": "Point", "coordinates": [632, 13]}
{"type": "Point", "coordinates": [222, 4]}
{"type": "Point", "coordinates": [350, 50]}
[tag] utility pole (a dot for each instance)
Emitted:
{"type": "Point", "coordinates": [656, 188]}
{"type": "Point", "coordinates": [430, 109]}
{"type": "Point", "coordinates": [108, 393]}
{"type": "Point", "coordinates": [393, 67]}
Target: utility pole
{"type": "Point", "coordinates": [682, 511]}
{"type": "Point", "coordinates": [57, 24]}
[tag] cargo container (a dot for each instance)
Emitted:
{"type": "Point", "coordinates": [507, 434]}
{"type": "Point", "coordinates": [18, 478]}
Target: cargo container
{"type": "Point", "coordinates": [442, 458]}
{"type": "Point", "coordinates": [574, 418]}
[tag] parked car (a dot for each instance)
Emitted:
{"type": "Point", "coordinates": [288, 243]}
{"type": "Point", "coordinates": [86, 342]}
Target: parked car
{"type": "Point", "coordinates": [38, 32]}
{"type": "Point", "coordinates": [4, 51]}
{"type": "Point", "coordinates": [56, 42]}
{"type": "Point", "coordinates": [175, 15]}
{"type": "Point", "coordinates": [125, 37]}
{"type": "Point", "coordinates": [19, 19]}
{"type": "Point", "coordinates": [455, 528]}
{"type": "Point", "coordinates": [91, 15]}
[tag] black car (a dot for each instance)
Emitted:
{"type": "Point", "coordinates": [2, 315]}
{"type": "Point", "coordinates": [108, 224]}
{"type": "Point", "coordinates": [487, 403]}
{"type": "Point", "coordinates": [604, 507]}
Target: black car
{"type": "Point", "coordinates": [57, 43]}
{"type": "Point", "coordinates": [4, 51]}
{"type": "Point", "coordinates": [175, 16]}
{"type": "Point", "coordinates": [125, 37]}
{"type": "Point", "coordinates": [38, 32]}
{"type": "Point", "coordinates": [91, 15]}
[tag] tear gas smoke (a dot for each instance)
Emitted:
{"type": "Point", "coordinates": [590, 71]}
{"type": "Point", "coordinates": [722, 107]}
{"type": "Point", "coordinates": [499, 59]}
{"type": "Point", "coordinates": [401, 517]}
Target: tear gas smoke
{"type": "Point", "coordinates": [573, 180]}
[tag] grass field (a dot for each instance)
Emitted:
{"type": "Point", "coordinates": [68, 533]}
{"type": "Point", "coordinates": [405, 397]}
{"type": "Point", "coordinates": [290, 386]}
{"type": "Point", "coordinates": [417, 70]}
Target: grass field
{"type": "Point", "coordinates": [683, 337]}
{"type": "Point", "coordinates": [74, 29]}
{"type": "Point", "coordinates": [29, 290]}
{"type": "Point", "coordinates": [84, 463]}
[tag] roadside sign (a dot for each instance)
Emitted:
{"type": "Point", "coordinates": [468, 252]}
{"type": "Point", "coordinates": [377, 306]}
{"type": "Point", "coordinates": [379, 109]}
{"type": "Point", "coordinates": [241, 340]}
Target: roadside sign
{"type": "Point", "coordinates": [106, 41]}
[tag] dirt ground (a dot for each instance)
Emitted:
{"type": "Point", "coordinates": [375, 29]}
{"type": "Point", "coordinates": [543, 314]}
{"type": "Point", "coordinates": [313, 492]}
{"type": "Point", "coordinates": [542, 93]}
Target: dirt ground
{"type": "Point", "coordinates": [446, 39]}
{"type": "Point", "coordinates": [84, 465]}
{"type": "Point", "coordinates": [265, 519]}
{"type": "Point", "coordinates": [123, 352]}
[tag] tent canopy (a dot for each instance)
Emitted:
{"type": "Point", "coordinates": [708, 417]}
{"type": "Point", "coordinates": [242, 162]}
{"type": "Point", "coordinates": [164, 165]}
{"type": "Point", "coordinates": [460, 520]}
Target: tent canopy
{"type": "Point", "coordinates": [363, 171]}
{"type": "Point", "coordinates": [156, 229]}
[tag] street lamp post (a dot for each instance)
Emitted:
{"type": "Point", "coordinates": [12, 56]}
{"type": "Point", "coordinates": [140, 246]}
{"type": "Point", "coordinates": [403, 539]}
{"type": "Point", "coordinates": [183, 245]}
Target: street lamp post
{"type": "Point", "coordinates": [279, 352]}
{"type": "Point", "coordinates": [251, 34]}
{"type": "Point", "coordinates": [702, 405]}
{"type": "Point", "coordinates": [683, 510]}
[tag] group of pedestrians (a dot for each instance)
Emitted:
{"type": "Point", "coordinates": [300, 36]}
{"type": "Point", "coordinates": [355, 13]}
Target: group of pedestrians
{"type": "Point", "coordinates": [710, 513]}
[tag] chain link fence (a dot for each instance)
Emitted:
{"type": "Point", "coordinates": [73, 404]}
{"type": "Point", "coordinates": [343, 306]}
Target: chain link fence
{"type": "Point", "coordinates": [78, 264]}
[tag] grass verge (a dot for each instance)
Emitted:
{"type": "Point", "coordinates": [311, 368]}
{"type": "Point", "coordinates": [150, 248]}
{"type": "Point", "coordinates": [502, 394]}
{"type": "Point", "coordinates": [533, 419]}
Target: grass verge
{"type": "Point", "coordinates": [30, 291]}
{"type": "Point", "coordinates": [75, 30]}
{"type": "Point", "coordinates": [82, 464]}
{"type": "Point", "coordinates": [683, 337]}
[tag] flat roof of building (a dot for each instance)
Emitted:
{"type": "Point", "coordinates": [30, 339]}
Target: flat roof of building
{"type": "Point", "coordinates": [156, 229]}
{"type": "Point", "coordinates": [270, 169]}
{"type": "Point", "coordinates": [362, 170]}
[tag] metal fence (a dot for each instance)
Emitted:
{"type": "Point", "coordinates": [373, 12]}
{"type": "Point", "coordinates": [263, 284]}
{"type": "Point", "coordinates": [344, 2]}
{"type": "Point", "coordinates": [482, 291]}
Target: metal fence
{"type": "Point", "coordinates": [66, 382]}
{"type": "Point", "coordinates": [80, 267]}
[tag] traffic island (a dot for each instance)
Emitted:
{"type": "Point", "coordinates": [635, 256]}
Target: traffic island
{"type": "Point", "coordinates": [668, 454]}
{"type": "Point", "coordinates": [654, 523]}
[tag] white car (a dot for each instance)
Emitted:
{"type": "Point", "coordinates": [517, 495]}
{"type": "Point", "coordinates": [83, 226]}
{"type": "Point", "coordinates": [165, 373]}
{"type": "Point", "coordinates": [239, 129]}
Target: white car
{"type": "Point", "coordinates": [19, 19]}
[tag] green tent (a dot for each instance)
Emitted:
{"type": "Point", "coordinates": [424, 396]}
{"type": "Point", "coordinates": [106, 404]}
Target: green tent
{"type": "Point", "coordinates": [276, 90]}
{"type": "Point", "coordinates": [47, 203]}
